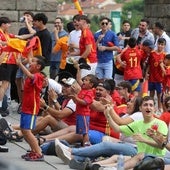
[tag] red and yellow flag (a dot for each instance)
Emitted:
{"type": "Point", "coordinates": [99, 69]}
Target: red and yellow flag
{"type": "Point", "coordinates": [145, 88]}
{"type": "Point", "coordinates": [78, 7]}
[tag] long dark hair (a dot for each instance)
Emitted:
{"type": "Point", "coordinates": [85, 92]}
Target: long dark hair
{"type": "Point", "coordinates": [137, 104]}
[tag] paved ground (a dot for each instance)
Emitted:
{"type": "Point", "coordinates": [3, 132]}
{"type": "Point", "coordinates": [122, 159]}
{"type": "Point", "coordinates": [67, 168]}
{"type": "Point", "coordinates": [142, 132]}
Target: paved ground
{"type": "Point", "coordinates": [16, 149]}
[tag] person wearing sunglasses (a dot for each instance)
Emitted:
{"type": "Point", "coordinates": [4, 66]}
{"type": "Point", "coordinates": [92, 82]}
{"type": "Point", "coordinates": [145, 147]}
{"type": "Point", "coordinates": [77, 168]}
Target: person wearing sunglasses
{"type": "Point", "coordinates": [106, 43]}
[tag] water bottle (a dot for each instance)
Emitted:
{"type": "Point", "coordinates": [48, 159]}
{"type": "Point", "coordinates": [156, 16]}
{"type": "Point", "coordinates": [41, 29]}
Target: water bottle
{"type": "Point", "coordinates": [120, 162]}
{"type": "Point", "coordinates": [22, 19]}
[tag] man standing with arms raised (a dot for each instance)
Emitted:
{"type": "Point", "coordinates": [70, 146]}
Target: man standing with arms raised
{"type": "Point", "coordinates": [87, 45]}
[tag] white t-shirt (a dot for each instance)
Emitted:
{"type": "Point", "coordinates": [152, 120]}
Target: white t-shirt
{"type": "Point", "coordinates": [52, 84]}
{"type": "Point", "coordinates": [71, 105]}
{"type": "Point", "coordinates": [167, 46]}
{"type": "Point", "coordinates": [74, 37]}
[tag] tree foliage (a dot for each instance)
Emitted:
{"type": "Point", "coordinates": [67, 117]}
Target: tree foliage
{"type": "Point", "coordinates": [133, 11]}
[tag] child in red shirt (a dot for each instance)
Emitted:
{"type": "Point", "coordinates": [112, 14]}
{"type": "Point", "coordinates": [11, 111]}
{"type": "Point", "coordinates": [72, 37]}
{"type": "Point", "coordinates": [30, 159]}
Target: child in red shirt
{"type": "Point", "coordinates": [166, 77]}
{"type": "Point", "coordinates": [31, 104]}
{"type": "Point", "coordinates": [154, 71]}
{"type": "Point", "coordinates": [83, 100]}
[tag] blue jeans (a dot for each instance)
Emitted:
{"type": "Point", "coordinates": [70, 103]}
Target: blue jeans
{"type": "Point", "coordinates": [105, 149]}
{"type": "Point", "coordinates": [104, 70]}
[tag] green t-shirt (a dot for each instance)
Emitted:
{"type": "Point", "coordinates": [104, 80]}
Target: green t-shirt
{"type": "Point", "coordinates": [139, 127]}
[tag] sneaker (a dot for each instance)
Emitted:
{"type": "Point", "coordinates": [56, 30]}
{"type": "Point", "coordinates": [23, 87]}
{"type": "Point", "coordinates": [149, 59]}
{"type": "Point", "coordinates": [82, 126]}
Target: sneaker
{"type": "Point", "coordinates": [74, 164]}
{"type": "Point", "coordinates": [3, 149]}
{"type": "Point", "coordinates": [84, 66]}
{"type": "Point", "coordinates": [27, 154]}
{"type": "Point", "coordinates": [57, 142]}
{"type": "Point", "coordinates": [34, 157]}
{"type": "Point", "coordinates": [87, 144]}
{"type": "Point", "coordinates": [63, 154]}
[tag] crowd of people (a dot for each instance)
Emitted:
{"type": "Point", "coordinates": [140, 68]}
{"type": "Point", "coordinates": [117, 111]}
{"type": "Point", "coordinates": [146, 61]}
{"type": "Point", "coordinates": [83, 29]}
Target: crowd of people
{"type": "Point", "coordinates": [84, 95]}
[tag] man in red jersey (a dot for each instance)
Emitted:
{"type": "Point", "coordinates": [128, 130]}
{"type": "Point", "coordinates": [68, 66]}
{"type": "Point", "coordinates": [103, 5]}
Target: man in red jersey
{"type": "Point", "coordinates": [87, 45]}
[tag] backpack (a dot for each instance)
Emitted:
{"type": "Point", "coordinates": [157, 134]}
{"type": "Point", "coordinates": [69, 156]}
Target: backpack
{"type": "Point", "coordinates": [150, 163]}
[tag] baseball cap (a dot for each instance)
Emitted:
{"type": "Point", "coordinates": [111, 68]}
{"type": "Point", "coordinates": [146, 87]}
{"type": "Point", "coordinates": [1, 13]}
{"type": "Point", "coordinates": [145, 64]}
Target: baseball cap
{"type": "Point", "coordinates": [69, 81]}
{"type": "Point", "coordinates": [105, 85]}
{"type": "Point", "coordinates": [148, 43]}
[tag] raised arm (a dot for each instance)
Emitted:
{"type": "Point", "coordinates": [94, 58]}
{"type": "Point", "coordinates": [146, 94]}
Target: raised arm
{"type": "Point", "coordinates": [112, 124]}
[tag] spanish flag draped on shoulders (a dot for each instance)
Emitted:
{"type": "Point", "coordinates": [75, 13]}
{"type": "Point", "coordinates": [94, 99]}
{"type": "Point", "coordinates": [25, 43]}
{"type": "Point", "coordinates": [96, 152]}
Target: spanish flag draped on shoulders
{"type": "Point", "coordinates": [24, 47]}
{"type": "Point", "coordinates": [10, 57]}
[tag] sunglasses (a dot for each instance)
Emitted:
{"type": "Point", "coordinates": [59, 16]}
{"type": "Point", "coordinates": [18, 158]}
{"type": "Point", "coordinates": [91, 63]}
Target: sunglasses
{"type": "Point", "coordinates": [104, 23]}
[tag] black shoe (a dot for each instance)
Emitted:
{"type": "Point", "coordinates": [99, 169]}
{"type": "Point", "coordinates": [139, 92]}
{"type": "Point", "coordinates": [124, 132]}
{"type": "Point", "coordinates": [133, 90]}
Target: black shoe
{"type": "Point", "coordinates": [82, 61]}
{"type": "Point", "coordinates": [84, 66]}
{"type": "Point", "coordinates": [3, 149]}
{"type": "Point", "coordinates": [4, 113]}
{"type": "Point", "coordinates": [95, 167]}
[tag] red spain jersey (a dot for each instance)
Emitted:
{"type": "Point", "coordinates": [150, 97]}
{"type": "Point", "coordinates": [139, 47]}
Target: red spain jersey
{"type": "Point", "coordinates": [155, 71]}
{"type": "Point", "coordinates": [87, 38]}
{"type": "Point", "coordinates": [133, 58]}
{"type": "Point", "coordinates": [166, 79]}
{"type": "Point", "coordinates": [165, 116]}
{"type": "Point", "coordinates": [31, 94]}
{"type": "Point", "coordinates": [87, 96]}
{"type": "Point", "coordinates": [10, 58]}
{"type": "Point", "coordinates": [116, 98]}
{"type": "Point", "coordinates": [98, 122]}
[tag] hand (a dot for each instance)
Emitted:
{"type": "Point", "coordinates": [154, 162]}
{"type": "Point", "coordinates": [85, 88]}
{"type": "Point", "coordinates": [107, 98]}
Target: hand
{"type": "Point", "coordinates": [56, 29]}
{"type": "Point", "coordinates": [76, 88]}
{"type": "Point", "coordinates": [42, 103]}
{"type": "Point", "coordinates": [123, 64]}
{"type": "Point", "coordinates": [100, 37]}
{"type": "Point", "coordinates": [156, 136]}
{"type": "Point", "coordinates": [164, 72]}
{"type": "Point", "coordinates": [73, 97]}
{"type": "Point", "coordinates": [52, 94]}
{"type": "Point", "coordinates": [101, 48]}
{"type": "Point", "coordinates": [107, 111]}
{"type": "Point", "coordinates": [105, 101]}
{"type": "Point", "coordinates": [72, 45]}
{"type": "Point", "coordinates": [138, 138]}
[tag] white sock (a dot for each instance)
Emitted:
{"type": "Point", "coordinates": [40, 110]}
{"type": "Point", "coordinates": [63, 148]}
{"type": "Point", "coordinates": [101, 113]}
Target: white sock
{"type": "Point", "coordinates": [0, 103]}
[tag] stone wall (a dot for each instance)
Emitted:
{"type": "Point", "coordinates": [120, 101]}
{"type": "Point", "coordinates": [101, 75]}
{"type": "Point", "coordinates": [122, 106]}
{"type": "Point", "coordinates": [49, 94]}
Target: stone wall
{"type": "Point", "coordinates": [14, 9]}
{"type": "Point", "coordinates": [158, 10]}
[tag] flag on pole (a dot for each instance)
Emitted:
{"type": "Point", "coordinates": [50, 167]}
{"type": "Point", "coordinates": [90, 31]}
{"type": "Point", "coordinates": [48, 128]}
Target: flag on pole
{"type": "Point", "coordinates": [145, 88]}
{"type": "Point", "coordinates": [78, 7]}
